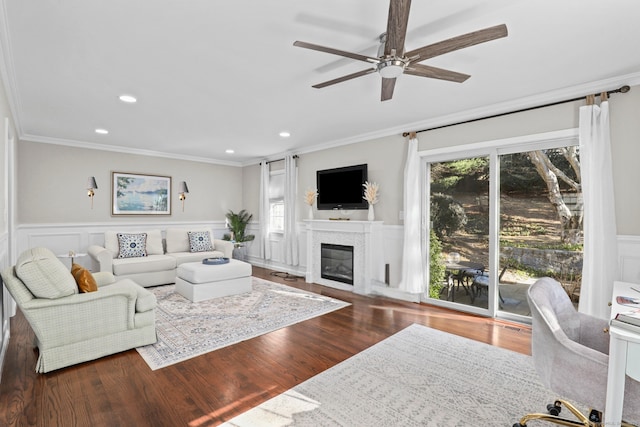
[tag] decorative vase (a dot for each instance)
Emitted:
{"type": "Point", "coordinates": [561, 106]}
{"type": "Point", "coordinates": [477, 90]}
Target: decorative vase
{"type": "Point", "coordinates": [371, 216]}
{"type": "Point", "coordinates": [310, 211]}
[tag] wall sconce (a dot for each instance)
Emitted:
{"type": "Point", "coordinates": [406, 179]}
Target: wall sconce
{"type": "Point", "coordinates": [91, 185]}
{"type": "Point", "coordinates": [183, 191]}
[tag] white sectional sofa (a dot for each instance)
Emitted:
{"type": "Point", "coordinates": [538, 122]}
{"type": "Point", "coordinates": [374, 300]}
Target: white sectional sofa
{"type": "Point", "coordinates": [150, 260]}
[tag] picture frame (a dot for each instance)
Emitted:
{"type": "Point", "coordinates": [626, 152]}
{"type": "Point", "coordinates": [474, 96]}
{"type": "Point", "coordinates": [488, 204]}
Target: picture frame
{"type": "Point", "coordinates": [140, 194]}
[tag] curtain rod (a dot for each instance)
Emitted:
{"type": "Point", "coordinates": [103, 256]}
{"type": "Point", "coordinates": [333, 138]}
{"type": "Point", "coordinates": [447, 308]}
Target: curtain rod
{"type": "Point", "coordinates": [295, 156]}
{"type": "Point", "coordinates": [623, 89]}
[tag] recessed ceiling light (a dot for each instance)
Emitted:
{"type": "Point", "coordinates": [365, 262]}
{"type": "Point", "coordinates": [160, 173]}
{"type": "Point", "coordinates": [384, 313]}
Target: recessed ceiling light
{"type": "Point", "coordinates": [102, 131]}
{"type": "Point", "coordinates": [229, 151]}
{"type": "Point", "coordinates": [285, 134]}
{"type": "Point", "coordinates": [128, 99]}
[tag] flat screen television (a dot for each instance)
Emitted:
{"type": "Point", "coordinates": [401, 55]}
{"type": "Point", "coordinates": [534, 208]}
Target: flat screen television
{"type": "Point", "coordinates": [341, 188]}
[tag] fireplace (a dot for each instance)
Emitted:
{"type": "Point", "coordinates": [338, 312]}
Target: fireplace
{"type": "Point", "coordinates": [364, 239]}
{"type": "Point", "coordinates": [336, 263]}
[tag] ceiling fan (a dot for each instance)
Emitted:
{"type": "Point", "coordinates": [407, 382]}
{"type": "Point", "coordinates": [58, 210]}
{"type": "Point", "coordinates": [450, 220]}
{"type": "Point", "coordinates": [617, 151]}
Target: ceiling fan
{"type": "Point", "coordinates": [394, 61]}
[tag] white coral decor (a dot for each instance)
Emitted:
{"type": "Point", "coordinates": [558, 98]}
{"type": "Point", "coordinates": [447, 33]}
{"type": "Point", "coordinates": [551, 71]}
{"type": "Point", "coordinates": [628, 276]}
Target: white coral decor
{"type": "Point", "coordinates": [371, 192]}
{"type": "Point", "coordinates": [310, 197]}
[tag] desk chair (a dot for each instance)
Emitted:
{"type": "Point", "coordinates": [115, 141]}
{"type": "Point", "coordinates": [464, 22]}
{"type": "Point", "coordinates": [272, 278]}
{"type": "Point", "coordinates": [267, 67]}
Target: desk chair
{"type": "Point", "coordinates": [570, 353]}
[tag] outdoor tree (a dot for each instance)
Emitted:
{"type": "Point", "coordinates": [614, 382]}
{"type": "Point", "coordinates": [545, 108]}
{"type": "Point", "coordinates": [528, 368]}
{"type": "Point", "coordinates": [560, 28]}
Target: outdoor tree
{"type": "Point", "coordinates": [447, 215]}
{"type": "Point", "coordinates": [554, 171]}
{"type": "Point", "coordinates": [436, 266]}
{"type": "Point", "coordinates": [551, 174]}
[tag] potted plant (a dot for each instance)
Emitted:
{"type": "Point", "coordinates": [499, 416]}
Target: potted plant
{"type": "Point", "coordinates": [237, 224]}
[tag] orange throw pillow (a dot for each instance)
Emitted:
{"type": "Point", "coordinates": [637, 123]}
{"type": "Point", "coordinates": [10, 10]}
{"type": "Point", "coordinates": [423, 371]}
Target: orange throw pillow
{"type": "Point", "coordinates": [84, 279]}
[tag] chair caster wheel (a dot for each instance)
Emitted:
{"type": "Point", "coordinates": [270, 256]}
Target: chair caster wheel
{"type": "Point", "coordinates": [554, 409]}
{"type": "Point", "coordinates": [595, 416]}
{"type": "Point", "coordinates": [519, 425]}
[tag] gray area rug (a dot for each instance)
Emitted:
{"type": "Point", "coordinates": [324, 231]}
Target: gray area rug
{"type": "Point", "coordinates": [417, 377]}
{"type": "Point", "coordinates": [186, 329]}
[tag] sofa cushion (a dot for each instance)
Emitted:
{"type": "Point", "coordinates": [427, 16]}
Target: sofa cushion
{"type": "Point", "coordinates": [199, 241]}
{"type": "Point", "coordinates": [44, 274]}
{"type": "Point", "coordinates": [132, 245]}
{"type": "Point", "coordinates": [84, 279]}
{"type": "Point", "coordinates": [148, 264]}
{"type": "Point", "coordinates": [154, 242]}
{"type": "Point", "coordinates": [178, 239]}
{"type": "Point", "coordinates": [182, 257]}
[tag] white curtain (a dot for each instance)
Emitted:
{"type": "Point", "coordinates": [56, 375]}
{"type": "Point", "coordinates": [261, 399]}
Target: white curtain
{"type": "Point", "coordinates": [412, 257]}
{"type": "Point", "coordinates": [290, 198]}
{"type": "Point", "coordinates": [265, 246]}
{"type": "Point", "coordinates": [600, 267]}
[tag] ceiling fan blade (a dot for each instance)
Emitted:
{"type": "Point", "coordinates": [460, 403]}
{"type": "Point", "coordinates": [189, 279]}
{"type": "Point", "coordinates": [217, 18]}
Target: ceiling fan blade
{"type": "Point", "coordinates": [459, 42]}
{"type": "Point", "coordinates": [435, 73]}
{"type": "Point", "coordinates": [397, 26]}
{"type": "Point", "coordinates": [345, 78]}
{"type": "Point", "coordinates": [387, 89]}
{"type": "Point", "coordinates": [335, 51]}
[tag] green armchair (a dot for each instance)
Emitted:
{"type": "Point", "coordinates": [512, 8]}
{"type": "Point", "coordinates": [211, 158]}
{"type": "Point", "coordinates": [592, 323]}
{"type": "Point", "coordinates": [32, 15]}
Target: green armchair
{"type": "Point", "coordinates": [73, 327]}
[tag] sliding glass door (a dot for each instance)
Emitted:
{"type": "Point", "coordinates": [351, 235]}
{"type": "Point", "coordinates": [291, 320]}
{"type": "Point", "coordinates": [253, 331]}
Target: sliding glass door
{"type": "Point", "coordinates": [541, 219]}
{"type": "Point", "coordinates": [500, 220]}
{"type": "Point", "coordinates": [459, 215]}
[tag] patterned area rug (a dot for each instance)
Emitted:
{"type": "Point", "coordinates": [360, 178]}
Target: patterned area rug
{"type": "Point", "coordinates": [186, 329]}
{"type": "Point", "coordinates": [417, 377]}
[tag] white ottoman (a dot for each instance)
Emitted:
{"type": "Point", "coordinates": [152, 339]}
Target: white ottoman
{"type": "Point", "coordinates": [198, 282]}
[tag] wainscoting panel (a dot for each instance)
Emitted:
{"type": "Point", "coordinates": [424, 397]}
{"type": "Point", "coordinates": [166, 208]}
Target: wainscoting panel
{"type": "Point", "coordinates": [59, 243]}
{"type": "Point", "coordinates": [629, 258]}
{"type": "Point", "coordinates": [64, 238]}
{"type": "Point", "coordinates": [7, 306]}
{"type": "Point", "coordinates": [393, 244]}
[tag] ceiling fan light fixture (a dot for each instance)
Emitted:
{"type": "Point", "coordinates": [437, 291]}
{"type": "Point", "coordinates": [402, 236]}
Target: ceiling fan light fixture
{"type": "Point", "coordinates": [391, 68]}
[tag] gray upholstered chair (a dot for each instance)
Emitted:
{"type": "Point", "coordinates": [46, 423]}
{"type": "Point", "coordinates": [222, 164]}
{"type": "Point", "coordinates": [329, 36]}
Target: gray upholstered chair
{"type": "Point", "coordinates": [73, 327]}
{"type": "Point", "coordinates": [570, 353]}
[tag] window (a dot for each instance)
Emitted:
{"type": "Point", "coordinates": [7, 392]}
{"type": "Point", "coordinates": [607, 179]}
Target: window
{"type": "Point", "coordinates": [501, 219]}
{"type": "Point", "coordinates": [276, 216]}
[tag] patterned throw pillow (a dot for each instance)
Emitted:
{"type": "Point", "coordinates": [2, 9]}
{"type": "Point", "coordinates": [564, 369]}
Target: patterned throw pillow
{"type": "Point", "coordinates": [132, 245]}
{"type": "Point", "coordinates": [199, 241]}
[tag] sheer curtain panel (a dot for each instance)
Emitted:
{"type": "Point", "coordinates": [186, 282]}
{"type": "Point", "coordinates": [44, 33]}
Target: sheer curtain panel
{"type": "Point", "coordinates": [290, 196]}
{"type": "Point", "coordinates": [412, 256]}
{"type": "Point", "coordinates": [265, 245]}
{"type": "Point", "coordinates": [600, 266]}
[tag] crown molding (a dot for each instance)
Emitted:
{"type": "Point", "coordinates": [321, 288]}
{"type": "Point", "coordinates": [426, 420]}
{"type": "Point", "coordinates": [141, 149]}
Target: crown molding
{"type": "Point", "coordinates": [125, 150]}
{"type": "Point", "coordinates": [560, 95]}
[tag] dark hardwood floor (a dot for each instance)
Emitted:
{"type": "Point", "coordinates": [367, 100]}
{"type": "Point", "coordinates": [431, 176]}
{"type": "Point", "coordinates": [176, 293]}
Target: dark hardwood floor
{"type": "Point", "coordinates": [121, 390]}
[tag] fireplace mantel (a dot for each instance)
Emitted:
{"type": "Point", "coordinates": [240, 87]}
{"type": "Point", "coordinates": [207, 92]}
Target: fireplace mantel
{"type": "Point", "coordinates": [367, 242]}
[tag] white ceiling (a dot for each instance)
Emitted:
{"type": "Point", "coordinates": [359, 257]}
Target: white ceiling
{"type": "Point", "coordinates": [211, 75]}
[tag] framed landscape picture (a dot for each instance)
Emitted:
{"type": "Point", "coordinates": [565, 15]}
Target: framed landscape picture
{"type": "Point", "coordinates": [135, 194]}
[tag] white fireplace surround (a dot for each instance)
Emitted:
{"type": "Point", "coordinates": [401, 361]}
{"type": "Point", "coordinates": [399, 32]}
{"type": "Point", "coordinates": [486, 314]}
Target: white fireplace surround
{"type": "Point", "coordinates": [366, 237]}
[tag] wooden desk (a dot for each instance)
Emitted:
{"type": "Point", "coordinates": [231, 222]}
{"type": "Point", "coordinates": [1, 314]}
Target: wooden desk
{"type": "Point", "coordinates": [624, 356]}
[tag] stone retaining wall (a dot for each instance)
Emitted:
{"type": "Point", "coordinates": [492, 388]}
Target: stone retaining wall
{"type": "Point", "coordinates": [558, 261]}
